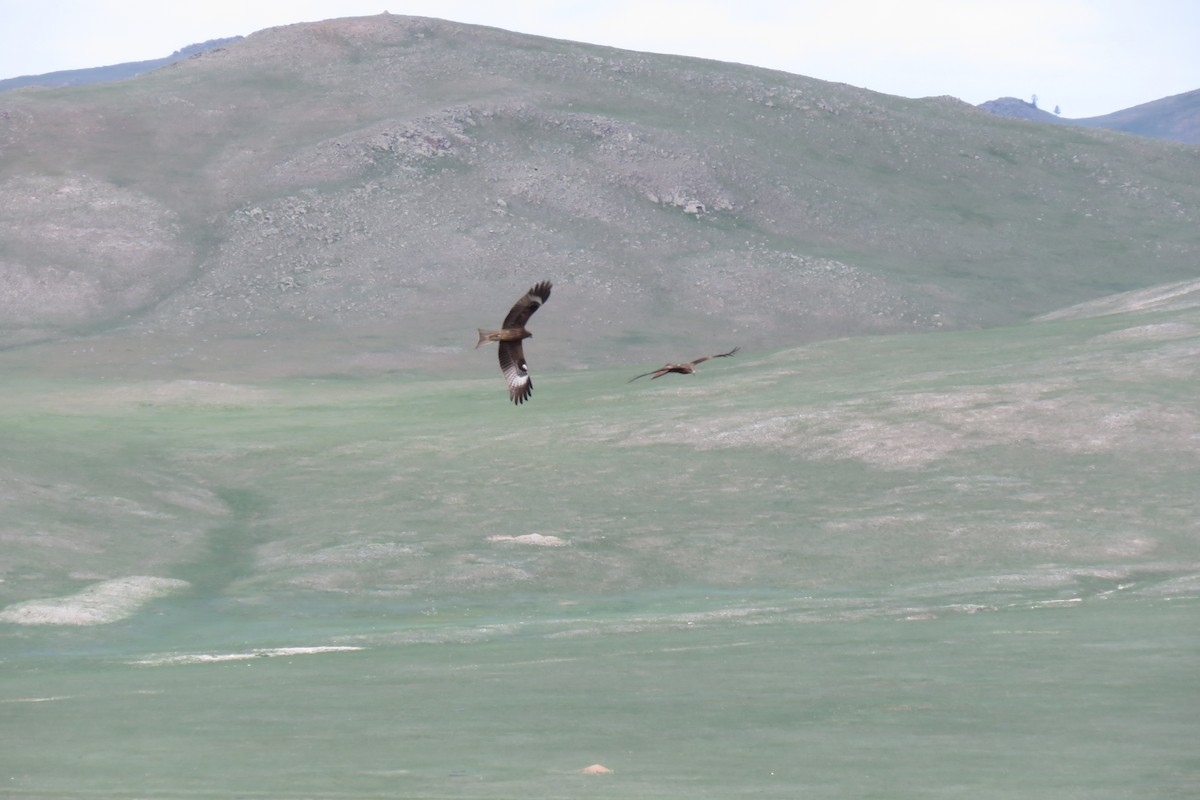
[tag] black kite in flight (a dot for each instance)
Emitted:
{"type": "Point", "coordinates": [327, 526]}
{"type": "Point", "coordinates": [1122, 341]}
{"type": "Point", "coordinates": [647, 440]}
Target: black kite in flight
{"type": "Point", "coordinates": [512, 355]}
{"type": "Point", "coordinates": [683, 369]}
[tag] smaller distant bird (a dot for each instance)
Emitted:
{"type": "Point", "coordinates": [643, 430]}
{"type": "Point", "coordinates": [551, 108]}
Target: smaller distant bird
{"type": "Point", "coordinates": [512, 355]}
{"type": "Point", "coordinates": [683, 369]}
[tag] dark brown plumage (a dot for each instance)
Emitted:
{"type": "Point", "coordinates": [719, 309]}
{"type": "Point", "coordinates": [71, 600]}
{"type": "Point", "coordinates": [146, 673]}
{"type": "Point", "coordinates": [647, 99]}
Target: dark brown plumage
{"type": "Point", "coordinates": [683, 369]}
{"type": "Point", "coordinates": [512, 355]}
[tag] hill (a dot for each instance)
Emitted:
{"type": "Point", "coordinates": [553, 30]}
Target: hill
{"type": "Point", "coordinates": [1175, 118]}
{"type": "Point", "coordinates": [361, 193]}
{"type": "Point", "coordinates": [1016, 108]}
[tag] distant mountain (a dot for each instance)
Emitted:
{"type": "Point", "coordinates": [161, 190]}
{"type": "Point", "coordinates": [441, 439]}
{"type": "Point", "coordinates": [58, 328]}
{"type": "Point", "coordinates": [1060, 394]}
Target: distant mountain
{"type": "Point", "coordinates": [114, 72]}
{"type": "Point", "coordinates": [1175, 118]}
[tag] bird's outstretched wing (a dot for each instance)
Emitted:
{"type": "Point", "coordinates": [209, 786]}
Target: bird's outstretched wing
{"type": "Point", "coordinates": [657, 373]}
{"type": "Point", "coordinates": [516, 373]}
{"type": "Point", "coordinates": [523, 309]}
{"type": "Point", "coordinates": [718, 355]}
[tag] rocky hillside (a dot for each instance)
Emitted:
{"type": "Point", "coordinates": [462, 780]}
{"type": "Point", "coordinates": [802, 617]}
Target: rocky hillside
{"type": "Point", "coordinates": [362, 193]}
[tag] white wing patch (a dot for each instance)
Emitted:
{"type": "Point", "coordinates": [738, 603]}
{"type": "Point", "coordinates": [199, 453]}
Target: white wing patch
{"type": "Point", "coordinates": [520, 387]}
{"type": "Point", "coordinates": [517, 375]}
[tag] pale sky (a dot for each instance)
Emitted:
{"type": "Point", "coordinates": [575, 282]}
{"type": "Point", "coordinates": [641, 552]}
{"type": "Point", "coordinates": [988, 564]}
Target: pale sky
{"type": "Point", "coordinates": [1090, 57]}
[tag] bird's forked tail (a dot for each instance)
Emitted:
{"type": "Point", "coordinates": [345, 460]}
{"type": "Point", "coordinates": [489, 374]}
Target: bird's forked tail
{"type": "Point", "coordinates": [486, 336]}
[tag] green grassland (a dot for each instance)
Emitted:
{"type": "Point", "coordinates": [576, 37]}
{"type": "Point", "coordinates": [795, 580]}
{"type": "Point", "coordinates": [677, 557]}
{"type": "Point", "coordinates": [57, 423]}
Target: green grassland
{"type": "Point", "coordinates": [877, 567]}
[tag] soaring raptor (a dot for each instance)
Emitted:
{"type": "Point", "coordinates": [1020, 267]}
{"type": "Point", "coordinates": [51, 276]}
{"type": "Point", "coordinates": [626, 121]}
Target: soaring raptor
{"type": "Point", "coordinates": [512, 355]}
{"type": "Point", "coordinates": [683, 369]}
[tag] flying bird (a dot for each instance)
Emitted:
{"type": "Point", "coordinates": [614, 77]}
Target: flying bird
{"type": "Point", "coordinates": [512, 355]}
{"type": "Point", "coordinates": [683, 369]}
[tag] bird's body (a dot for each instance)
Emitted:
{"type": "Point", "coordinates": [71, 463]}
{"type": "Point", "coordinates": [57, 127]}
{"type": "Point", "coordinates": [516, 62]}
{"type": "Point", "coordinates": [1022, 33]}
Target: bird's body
{"type": "Point", "coordinates": [502, 335]}
{"type": "Point", "coordinates": [681, 369]}
{"type": "Point", "coordinates": [510, 336]}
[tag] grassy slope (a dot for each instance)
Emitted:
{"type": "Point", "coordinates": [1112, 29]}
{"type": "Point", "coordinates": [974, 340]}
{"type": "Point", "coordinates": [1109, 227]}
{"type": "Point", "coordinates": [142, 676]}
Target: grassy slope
{"type": "Point", "coordinates": [843, 467]}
